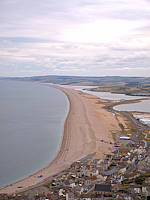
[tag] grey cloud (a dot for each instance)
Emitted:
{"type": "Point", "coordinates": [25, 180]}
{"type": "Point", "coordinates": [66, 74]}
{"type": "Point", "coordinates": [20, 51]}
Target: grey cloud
{"type": "Point", "coordinates": [144, 28]}
{"type": "Point", "coordinates": [30, 42]}
{"type": "Point", "coordinates": [23, 40]}
{"type": "Point", "coordinates": [129, 50]}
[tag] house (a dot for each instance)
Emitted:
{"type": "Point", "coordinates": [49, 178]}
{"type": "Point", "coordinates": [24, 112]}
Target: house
{"type": "Point", "coordinates": [127, 198]}
{"type": "Point", "coordinates": [109, 172]}
{"type": "Point", "coordinates": [69, 196]}
{"type": "Point", "coordinates": [137, 190]}
{"type": "Point", "coordinates": [87, 181]}
{"type": "Point", "coordinates": [100, 178]}
{"type": "Point", "coordinates": [95, 172]}
{"type": "Point", "coordinates": [100, 188]}
{"type": "Point", "coordinates": [144, 189]}
{"type": "Point", "coordinates": [123, 170]}
{"type": "Point", "coordinates": [61, 193]}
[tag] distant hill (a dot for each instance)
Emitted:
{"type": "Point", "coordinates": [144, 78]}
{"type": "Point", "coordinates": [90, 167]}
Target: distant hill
{"type": "Point", "coordinates": [84, 79]}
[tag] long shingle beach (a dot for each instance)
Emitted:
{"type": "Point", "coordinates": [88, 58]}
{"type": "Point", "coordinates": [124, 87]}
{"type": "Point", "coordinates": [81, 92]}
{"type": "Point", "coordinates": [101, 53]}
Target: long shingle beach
{"type": "Point", "coordinates": [86, 125]}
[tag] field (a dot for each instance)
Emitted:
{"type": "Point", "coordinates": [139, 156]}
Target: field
{"type": "Point", "coordinates": [133, 88]}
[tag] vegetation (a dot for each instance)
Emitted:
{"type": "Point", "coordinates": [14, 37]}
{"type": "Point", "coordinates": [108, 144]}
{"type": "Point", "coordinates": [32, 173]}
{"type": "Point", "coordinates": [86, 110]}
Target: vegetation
{"type": "Point", "coordinates": [114, 84]}
{"type": "Point", "coordinates": [105, 81]}
{"type": "Point", "coordinates": [140, 180]}
{"type": "Point", "coordinates": [122, 127]}
{"type": "Point", "coordinates": [127, 88]}
{"type": "Point", "coordinates": [127, 181]}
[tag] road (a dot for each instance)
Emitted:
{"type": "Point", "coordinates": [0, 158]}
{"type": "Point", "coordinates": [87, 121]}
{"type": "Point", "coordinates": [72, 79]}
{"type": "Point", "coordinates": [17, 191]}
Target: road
{"type": "Point", "coordinates": [140, 128]}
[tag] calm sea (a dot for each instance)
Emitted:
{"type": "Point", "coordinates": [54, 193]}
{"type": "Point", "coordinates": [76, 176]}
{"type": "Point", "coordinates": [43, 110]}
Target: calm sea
{"type": "Point", "coordinates": [31, 126]}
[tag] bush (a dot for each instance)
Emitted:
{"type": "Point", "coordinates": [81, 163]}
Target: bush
{"type": "Point", "coordinates": [140, 180]}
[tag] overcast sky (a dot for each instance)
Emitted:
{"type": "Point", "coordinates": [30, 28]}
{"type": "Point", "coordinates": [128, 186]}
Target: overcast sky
{"type": "Point", "coordinates": [75, 37]}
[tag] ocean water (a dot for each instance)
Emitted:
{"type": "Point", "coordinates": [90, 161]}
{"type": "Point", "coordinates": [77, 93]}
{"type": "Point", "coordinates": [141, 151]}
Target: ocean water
{"type": "Point", "coordinates": [32, 119]}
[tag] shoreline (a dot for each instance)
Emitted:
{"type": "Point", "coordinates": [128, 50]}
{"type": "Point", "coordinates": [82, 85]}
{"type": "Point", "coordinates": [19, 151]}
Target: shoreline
{"type": "Point", "coordinates": [54, 160]}
{"type": "Point", "coordinates": [82, 133]}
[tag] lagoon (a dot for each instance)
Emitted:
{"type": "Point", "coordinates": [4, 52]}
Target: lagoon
{"type": "Point", "coordinates": [103, 95]}
{"type": "Point", "coordinates": [143, 106]}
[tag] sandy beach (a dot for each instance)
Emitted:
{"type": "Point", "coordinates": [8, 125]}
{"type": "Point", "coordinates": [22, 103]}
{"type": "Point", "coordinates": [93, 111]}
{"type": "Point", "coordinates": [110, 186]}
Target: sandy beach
{"type": "Point", "coordinates": [86, 125]}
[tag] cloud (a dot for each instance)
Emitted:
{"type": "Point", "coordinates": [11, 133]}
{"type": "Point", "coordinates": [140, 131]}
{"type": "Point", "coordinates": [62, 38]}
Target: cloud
{"type": "Point", "coordinates": [74, 37]}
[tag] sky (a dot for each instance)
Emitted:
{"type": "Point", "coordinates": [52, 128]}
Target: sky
{"type": "Point", "coordinates": [75, 37]}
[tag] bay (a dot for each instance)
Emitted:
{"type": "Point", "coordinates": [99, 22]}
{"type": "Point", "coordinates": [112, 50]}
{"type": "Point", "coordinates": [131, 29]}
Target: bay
{"type": "Point", "coordinates": [32, 120]}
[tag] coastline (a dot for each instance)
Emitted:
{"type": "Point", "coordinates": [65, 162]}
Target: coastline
{"type": "Point", "coordinates": [86, 124]}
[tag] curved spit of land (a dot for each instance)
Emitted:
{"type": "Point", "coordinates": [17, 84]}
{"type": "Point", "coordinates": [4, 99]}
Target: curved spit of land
{"type": "Point", "coordinates": [87, 124]}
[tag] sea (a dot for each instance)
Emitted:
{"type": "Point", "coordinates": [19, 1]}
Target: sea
{"type": "Point", "coordinates": [32, 120]}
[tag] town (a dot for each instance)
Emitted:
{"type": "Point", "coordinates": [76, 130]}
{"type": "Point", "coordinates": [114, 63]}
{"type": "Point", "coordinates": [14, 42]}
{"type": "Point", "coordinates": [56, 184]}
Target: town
{"type": "Point", "coordinates": [123, 174]}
